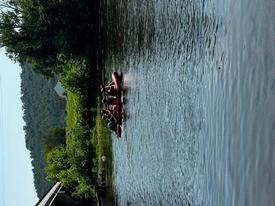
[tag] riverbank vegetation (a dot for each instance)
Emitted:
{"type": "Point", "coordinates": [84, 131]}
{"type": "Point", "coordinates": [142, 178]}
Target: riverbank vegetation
{"type": "Point", "coordinates": [85, 162]}
{"type": "Point", "coordinates": [45, 33]}
{"type": "Point", "coordinates": [73, 164]}
{"type": "Point", "coordinates": [87, 139]}
{"type": "Point", "coordinates": [102, 139]}
{"type": "Point", "coordinates": [63, 38]}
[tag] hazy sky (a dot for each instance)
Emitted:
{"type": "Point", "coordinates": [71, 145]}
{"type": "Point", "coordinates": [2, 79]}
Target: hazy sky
{"type": "Point", "coordinates": [16, 178]}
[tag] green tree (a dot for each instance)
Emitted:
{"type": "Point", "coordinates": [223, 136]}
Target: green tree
{"type": "Point", "coordinates": [58, 161]}
{"type": "Point", "coordinates": [54, 137]}
{"type": "Point", "coordinates": [60, 169]}
{"type": "Point", "coordinates": [39, 32]}
{"type": "Point", "coordinates": [76, 78]}
{"type": "Point", "coordinates": [24, 34]}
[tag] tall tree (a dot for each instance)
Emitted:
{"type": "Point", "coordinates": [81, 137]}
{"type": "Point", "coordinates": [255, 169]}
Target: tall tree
{"type": "Point", "coordinates": [54, 137]}
{"type": "Point", "coordinates": [41, 32]}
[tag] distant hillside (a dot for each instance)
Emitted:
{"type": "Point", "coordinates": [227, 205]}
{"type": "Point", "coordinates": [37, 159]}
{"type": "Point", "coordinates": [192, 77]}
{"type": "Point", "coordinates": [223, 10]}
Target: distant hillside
{"type": "Point", "coordinates": [41, 107]}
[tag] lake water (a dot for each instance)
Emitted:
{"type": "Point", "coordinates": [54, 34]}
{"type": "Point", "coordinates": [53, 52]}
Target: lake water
{"type": "Point", "coordinates": [200, 102]}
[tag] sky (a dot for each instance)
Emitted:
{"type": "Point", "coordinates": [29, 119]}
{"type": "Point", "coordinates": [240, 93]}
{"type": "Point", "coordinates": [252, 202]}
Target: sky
{"type": "Point", "coordinates": [16, 177]}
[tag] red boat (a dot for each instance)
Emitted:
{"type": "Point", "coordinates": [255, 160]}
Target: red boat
{"type": "Point", "coordinates": [117, 79]}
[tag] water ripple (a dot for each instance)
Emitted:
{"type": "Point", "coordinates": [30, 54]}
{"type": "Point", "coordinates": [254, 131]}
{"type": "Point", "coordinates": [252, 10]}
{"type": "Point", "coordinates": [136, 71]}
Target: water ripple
{"type": "Point", "coordinates": [200, 78]}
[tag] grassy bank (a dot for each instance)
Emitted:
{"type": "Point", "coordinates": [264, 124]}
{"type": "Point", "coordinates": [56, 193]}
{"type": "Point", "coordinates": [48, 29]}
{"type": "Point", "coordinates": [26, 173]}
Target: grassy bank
{"type": "Point", "coordinates": [68, 45]}
{"type": "Point", "coordinates": [87, 138]}
{"type": "Point", "coordinates": [100, 143]}
{"type": "Point", "coordinates": [101, 139]}
{"type": "Point", "coordinates": [88, 141]}
{"type": "Point", "coordinates": [74, 164]}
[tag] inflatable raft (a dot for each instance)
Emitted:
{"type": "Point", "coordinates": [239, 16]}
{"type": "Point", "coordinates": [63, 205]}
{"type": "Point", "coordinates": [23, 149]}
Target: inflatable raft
{"type": "Point", "coordinates": [117, 79]}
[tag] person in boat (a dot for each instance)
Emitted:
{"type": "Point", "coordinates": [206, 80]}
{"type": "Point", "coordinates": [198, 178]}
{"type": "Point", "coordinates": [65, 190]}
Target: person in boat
{"type": "Point", "coordinates": [112, 125]}
{"type": "Point", "coordinates": [108, 89]}
{"type": "Point", "coordinates": [109, 116]}
{"type": "Point", "coordinates": [109, 101]}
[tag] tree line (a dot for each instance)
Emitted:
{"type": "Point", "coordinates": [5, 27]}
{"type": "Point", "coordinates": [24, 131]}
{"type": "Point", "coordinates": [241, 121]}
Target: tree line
{"type": "Point", "coordinates": [47, 33]}
{"type": "Point", "coordinates": [55, 37]}
{"type": "Point", "coordinates": [41, 111]}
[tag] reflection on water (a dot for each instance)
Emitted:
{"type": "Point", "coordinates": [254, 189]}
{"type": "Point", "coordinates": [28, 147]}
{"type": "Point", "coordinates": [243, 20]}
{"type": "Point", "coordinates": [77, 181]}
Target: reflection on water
{"type": "Point", "coordinates": [201, 122]}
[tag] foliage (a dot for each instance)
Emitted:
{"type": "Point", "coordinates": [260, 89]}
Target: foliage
{"type": "Point", "coordinates": [58, 160]}
{"type": "Point", "coordinates": [38, 31]}
{"type": "Point", "coordinates": [56, 37]}
{"type": "Point", "coordinates": [101, 138]}
{"type": "Point", "coordinates": [75, 77]}
{"type": "Point", "coordinates": [54, 137]}
{"type": "Point", "coordinates": [77, 174]}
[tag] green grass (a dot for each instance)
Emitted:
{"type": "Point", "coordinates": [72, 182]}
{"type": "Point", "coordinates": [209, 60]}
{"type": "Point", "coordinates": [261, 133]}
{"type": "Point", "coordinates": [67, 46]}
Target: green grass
{"type": "Point", "coordinates": [99, 141]}
{"type": "Point", "coordinates": [73, 117]}
{"type": "Point", "coordinates": [103, 142]}
{"type": "Point", "coordinates": [87, 138]}
{"type": "Point", "coordinates": [81, 152]}
{"type": "Point", "coordinates": [101, 138]}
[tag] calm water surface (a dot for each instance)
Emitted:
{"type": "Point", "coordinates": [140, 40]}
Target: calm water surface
{"type": "Point", "coordinates": [201, 101]}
